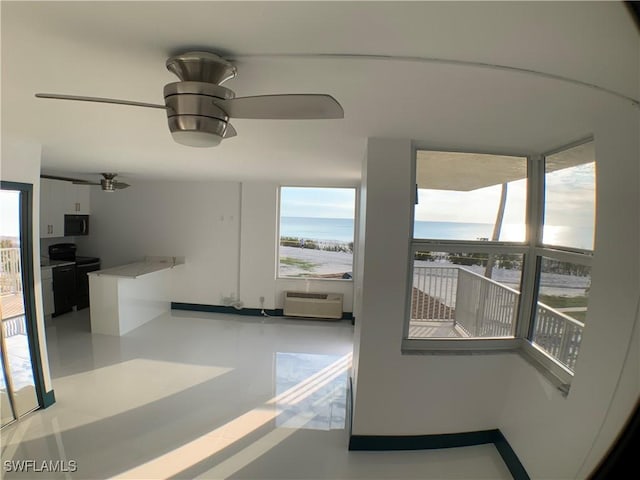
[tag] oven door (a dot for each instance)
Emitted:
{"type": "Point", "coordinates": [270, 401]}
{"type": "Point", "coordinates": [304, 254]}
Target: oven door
{"type": "Point", "coordinates": [75, 225]}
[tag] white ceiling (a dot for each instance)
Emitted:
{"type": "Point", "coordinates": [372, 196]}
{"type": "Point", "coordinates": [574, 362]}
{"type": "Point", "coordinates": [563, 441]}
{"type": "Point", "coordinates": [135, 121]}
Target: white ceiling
{"type": "Point", "coordinates": [118, 50]}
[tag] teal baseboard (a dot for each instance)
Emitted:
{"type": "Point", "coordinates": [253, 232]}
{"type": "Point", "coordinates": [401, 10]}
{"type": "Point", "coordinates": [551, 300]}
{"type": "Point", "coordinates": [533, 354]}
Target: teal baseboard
{"type": "Point", "coordinates": [256, 312]}
{"type": "Point", "coordinates": [48, 399]}
{"type": "Point", "coordinates": [446, 440]}
{"type": "Point", "coordinates": [199, 307]}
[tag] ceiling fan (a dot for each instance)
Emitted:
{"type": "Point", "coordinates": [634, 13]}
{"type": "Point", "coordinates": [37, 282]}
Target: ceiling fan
{"type": "Point", "coordinates": [108, 183]}
{"type": "Point", "coordinates": [199, 108]}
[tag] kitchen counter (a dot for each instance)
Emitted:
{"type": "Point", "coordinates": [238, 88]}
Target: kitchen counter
{"type": "Point", "coordinates": [128, 296]}
{"type": "Point", "coordinates": [46, 262]}
{"type": "Point", "coordinates": [138, 269]}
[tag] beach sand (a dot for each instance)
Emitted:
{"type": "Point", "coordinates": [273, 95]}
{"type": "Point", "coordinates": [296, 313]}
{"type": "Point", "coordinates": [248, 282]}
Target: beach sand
{"type": "Point", "coordinates": [317, 263]}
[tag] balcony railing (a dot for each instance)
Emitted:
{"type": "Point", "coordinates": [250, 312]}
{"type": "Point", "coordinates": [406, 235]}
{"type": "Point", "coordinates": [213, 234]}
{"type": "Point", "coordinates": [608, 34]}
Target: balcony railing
{"type": "Point", "coordinates": [485, 308]}
{"type": "Point", "coordinates": [558, 334]}
{"type": "Point", "coordinates": [10, 276]}
{"type": "Point", "coordinates": [476, 306]}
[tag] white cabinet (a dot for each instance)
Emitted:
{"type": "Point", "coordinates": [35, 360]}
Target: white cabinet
{"type": "Point", "coordinates": [58, 198]}
{"type": "Point", "coordinates": [81, 199]}
{"type": "Point", "coordinates": [75, 198]}
{"type": "Point", "coordinates": [47, 290]}
{"type": "Point", "coordinates": [52, 200]}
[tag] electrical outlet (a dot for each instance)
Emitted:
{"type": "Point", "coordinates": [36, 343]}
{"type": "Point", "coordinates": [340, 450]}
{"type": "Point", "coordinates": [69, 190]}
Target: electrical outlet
{"type": "Point", "coordinates": [261, 299]}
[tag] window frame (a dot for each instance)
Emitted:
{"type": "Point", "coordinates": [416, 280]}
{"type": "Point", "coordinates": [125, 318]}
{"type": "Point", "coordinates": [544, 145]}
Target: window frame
{"type": "Point", "coordinates": [558, 371]}
{"type": "Point", "coordinates": [356, 201]}
{"type": "Point", "coordinates": [532, 250]}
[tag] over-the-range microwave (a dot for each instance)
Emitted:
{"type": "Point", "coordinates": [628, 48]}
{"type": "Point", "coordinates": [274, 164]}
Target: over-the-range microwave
{"type": "Point", "coordinates": [75, 225]}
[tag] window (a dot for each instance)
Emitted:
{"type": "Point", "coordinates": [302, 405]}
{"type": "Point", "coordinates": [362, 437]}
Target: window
{"type": "Point", "coordinates": [464, 294]}
{"type": "Point", "coordinates": [561, 309]}
{"type": "Point", "coordinates": [564, 259]}
{"type": "Point", "coordinates": [468, 196]}
{"type": "Point", "coordinates": [316, 232]}
{"type": "Point", "coordinates": [570, 197]}
{"type": "Point", "coordinates": [501, 253]}
{"type": "Point", "coordinates": [467, 265]}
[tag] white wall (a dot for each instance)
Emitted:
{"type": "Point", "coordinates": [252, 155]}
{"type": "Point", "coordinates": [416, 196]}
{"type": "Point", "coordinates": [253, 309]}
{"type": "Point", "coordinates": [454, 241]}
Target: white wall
{"type": "Point", "coordinates": [226, 231]}
{"type": "Point", "coordinates": [20, 162]}
{"type": "Point", "coordinates": [258, 244]}
{"type": "Point", "coordinates": [554, 436]}
{"type": "Point", "coordinates": [197, 220]}
{"type": "Point", "coordinates": [408, 394]}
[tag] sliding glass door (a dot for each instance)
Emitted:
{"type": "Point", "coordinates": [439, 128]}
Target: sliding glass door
{"type": "Point", "coordinates": [18, 385]}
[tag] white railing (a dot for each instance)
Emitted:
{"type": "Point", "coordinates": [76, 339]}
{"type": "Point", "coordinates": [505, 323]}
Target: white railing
{"type": "Point", "coordinates": [481, 307]}
{"type": "Point", "coordinates": [485, 308]}
{"type": "Point", "coordinates": [10, 273]}
{"type": "Point", "coordinates": [14, 326]}
{"type": "Point", "coordinates": [434, 293]}
{"type": "Point", "coordinates": [558, 334]}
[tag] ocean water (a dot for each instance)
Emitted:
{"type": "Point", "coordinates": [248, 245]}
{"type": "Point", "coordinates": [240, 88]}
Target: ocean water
{"type": "Point", "coordinates": [335, 229]}
{"type": "Point", "coordinates": [341, 230]}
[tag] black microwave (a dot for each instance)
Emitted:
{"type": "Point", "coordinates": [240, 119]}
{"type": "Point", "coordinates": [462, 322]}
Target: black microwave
{"type": "Point", "coordinates": [75, 225]}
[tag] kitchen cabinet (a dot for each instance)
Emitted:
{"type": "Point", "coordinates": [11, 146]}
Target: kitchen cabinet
{"type": "Point", "coordinates": [53, 194]}
{"type": "Point", "coordinates": [81, 200]}
{"type": "Point", "coordinates": [58, 198]}
{"type": "Point", "coordinates": [47, 290]}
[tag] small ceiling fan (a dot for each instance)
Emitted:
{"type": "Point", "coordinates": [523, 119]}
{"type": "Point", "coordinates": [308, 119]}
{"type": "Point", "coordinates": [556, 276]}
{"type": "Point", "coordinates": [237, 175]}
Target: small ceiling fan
{"type": "Point", "coordinates": [108, 183]}
{"type": "Point", "coordinates": [199, 108]}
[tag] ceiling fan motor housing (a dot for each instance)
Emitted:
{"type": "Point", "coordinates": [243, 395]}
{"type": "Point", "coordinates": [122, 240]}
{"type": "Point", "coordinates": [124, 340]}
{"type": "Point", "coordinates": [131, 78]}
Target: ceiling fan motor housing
{"type": "Point", "coordinates": [201, 67]}
{"type": "Point", "coordinates": [193, 116]}
{"type": "Point", "coordinates": [108, 183]}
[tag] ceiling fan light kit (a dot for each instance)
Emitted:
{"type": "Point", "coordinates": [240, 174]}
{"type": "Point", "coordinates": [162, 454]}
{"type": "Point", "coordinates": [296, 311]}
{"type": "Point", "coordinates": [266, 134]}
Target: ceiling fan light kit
{"type": "Point", "coordinates": [199, 109]}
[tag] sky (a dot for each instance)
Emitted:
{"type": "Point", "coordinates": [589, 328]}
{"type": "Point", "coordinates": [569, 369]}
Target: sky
{"type": "Point", "coordinates": [317, 202]}
{"type": "Point", "coordinates": [9, 213]}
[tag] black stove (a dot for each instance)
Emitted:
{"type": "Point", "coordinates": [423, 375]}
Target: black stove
{"type": "Point", "coordinates": [86, 260]}
{"type": "Point", "coordinates": [71, 290]}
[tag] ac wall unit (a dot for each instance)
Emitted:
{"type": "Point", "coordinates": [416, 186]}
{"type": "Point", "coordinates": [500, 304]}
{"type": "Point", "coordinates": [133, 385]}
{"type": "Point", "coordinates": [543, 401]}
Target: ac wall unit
{"type": "Point", "coordinates": [313, 305]}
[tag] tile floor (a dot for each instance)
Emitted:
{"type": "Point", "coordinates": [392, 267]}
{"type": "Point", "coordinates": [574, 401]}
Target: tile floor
{"type": "Point", "coordinates": [197, 395]}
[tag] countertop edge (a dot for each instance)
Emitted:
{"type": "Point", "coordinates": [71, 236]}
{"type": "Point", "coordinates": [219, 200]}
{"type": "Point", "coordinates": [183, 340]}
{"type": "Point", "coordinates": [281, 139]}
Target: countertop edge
{"type": "Point", "coordinates": [149, 268]}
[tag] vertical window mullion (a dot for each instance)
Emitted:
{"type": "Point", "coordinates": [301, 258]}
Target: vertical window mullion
{"type": "Point", "coordinates": [535, 210]}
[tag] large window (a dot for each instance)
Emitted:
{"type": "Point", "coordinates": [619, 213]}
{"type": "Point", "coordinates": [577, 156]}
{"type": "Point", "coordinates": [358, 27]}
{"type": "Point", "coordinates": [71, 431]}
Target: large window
{"type": "Point", "coordinates": [501, 253]}
{"type": "Point", "coordinates": [468, 250]}
{"type": "Point", "coordinates": [316, 232]}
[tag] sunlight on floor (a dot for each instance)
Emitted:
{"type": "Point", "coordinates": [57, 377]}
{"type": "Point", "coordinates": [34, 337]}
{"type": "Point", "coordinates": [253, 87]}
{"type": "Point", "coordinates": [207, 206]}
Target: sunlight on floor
{"type": "Point", "coordinates": [188, 455]}
{"type": "Point", "coordinates": [134, 383]}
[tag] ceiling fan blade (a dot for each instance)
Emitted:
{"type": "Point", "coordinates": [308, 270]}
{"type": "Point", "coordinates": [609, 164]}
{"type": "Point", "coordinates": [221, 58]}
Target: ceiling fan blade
{"type": "Point", "coordinates": [229, 131]}
{"type": "Point", "coordinates": [66, 179]}
{"type": "Point", "coordinates": [78, 182]}
{"type": "Point", "coordinates": [120, 185]}
{"type": "Point", "coordinates": [56, 96]}
{"type": "Point", "coordinates": [283, 107]}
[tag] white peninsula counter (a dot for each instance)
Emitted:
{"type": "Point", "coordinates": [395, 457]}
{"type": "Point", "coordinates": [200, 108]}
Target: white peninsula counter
{"type": "Point", "coordinates": [123, 298]}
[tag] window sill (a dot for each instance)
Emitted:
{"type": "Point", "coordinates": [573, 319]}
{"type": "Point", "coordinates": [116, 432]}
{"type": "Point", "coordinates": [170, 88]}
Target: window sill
{"type": "Point", "coordinates": [559, 376]}
{"type": "Point", "coordinates": [460, 346]}
{"type": "Point", "coordinates": [315, 279]}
